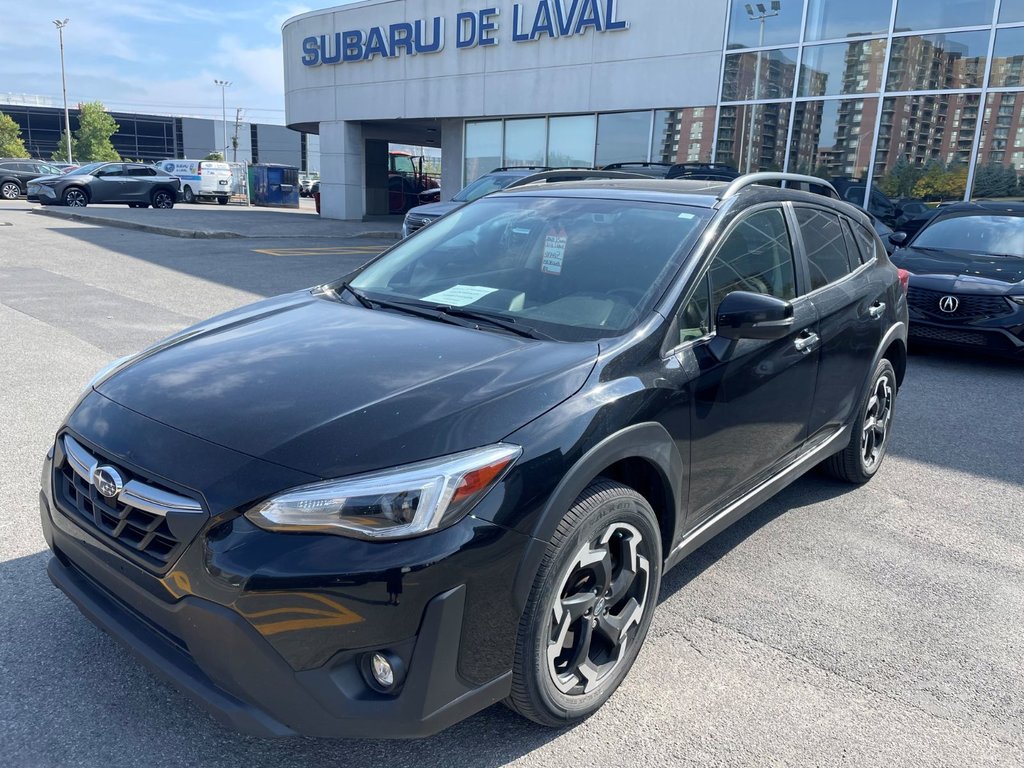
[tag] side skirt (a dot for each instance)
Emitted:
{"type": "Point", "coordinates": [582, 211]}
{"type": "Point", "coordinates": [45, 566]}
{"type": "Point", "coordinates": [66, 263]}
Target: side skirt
{"type": "Point", "coordinates": [711, 527]}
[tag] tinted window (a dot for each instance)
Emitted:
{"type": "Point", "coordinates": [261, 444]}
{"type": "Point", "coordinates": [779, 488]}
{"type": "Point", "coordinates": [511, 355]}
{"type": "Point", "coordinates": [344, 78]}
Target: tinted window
{"type": "Point", "coordinates": [997, 235]}
{"type": "Point", "coordinates": [756, 256]}
{"type": "Point", "coordinates": [623, 137]}
{"type": "Point", "coordinates": [110, 170]}
{"type": "Point", "coordinates": [827, 256]}
{"type": "Point", "coordinates": [140, 170]}
{"type": "Point", "coordinates": [574, 268]}
{"type": "Point", "coordinates": [865, 243]}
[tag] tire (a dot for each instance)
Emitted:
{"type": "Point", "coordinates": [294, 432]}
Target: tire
{"type": "Point", "coordinates": [163, 199]}
{"type": "Point", "coordinates": [609, 541]}
{"type": "Point", "coordinates": [10, 190]}
{"type": "Point", "coordinates": [222, 200]}
{"type": "Point", "coordinates": [860, 460]}
{"type": "Point", "coordinates": [187, 196]}
{"type": "Point", "coordinates": [74, 197]}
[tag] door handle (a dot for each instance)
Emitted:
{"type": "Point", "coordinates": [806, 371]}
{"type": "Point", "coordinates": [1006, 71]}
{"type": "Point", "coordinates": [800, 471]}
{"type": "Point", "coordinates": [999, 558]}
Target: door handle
{"type": "Point", "coordinates": [806, 343]}
{"type": "Point", "coordinates": [876, 309]}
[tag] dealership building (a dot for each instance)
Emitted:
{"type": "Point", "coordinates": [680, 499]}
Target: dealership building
{"type": "Point", "coordinates": [923, 98]}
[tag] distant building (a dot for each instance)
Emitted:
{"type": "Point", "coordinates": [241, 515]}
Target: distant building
{"type": "Point", "coordinates": [155, 137]}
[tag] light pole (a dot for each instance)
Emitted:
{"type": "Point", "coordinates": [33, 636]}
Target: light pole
{"type": "Point", "coordinates": [759, 15]}
{"type": "Point", "coordinates": [223, 112]}
{"type": "Point", "coordinates": [63, 83]}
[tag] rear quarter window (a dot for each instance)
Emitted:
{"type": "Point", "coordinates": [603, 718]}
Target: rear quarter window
{"type": "Point", "coordinates": [828, 257]}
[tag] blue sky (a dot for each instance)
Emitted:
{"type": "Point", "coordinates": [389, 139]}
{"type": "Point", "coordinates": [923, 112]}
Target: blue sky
{"type": "Point", "coordinates": [151, 55]}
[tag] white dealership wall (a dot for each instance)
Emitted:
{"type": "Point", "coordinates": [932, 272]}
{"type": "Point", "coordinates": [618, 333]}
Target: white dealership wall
{"type": "Point", "coordinates": [669, 57]}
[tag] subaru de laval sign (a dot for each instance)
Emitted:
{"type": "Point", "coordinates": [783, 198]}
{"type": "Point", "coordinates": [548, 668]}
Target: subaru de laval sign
{"type": "Point", "coordinates": [529, 22]}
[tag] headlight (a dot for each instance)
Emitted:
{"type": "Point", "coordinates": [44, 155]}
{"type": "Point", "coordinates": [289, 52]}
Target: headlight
{"type": "Point", "coordinates": [395, 503]}
{"type": "Point", "coordinates": [1016, 299]}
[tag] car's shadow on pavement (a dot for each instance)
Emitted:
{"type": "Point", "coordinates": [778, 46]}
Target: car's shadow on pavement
{"type": "Point", "coordinates": [73, 696]}
{"type": "Point", "coordinates": [811, 489]}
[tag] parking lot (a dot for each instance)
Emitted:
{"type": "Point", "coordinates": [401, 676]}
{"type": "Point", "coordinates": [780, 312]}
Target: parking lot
{"type": "Point", "coordinates": [882, 625]}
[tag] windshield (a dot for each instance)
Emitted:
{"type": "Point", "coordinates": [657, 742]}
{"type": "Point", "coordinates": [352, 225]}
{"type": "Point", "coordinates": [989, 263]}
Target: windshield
{"type": "Point", "coordinates": [85, 170]}
{"type": "Point", "coordinates": [998, 235]}
{"type": "Point", "coordinates": [575, 269]}
{"type": "Point", "coordinates": [484, 186]}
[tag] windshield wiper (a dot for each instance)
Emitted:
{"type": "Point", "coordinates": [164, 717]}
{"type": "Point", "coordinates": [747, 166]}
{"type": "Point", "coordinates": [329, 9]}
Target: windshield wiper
{"type": "Point", "coordinates": [499, 322]}
{"type": "Point", "coordinates": [358, 296]}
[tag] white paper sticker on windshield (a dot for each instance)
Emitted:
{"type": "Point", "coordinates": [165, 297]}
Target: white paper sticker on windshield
{"type": "Point", "coordinates": [554, 253]}
{"type": "Point", "coordinates": [460, 295]}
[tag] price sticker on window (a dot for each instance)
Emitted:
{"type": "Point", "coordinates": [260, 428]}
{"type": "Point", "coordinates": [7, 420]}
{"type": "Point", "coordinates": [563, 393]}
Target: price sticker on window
{"type": "Point", "coordinates": [554, 253]}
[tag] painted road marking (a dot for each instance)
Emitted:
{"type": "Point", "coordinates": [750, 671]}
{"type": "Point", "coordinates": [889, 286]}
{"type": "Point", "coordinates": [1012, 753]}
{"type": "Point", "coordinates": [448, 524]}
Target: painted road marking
{"type": "Point", "coordinates": [338, 250]}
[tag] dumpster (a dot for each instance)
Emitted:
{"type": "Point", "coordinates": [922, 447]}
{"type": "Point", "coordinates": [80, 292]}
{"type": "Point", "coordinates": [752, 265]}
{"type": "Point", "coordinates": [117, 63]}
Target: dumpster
{"type": "Point", "coordinates": [274, 186]}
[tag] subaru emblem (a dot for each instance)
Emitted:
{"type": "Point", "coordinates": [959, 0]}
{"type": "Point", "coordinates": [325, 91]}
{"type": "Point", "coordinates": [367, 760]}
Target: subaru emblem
{"type": "Point", "coordinates": [108, 481]}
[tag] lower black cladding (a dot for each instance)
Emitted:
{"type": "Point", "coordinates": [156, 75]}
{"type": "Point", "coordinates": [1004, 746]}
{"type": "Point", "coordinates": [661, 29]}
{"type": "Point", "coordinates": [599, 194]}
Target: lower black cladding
{"type": "Point", "coordinates": [433, 696]}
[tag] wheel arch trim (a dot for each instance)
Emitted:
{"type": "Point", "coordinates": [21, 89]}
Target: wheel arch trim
{"type": "Point", "coordinates": [649, 442]}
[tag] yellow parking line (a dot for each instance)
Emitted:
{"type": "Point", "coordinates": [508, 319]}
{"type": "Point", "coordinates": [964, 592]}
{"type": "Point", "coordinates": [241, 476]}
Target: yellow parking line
{"type": "Point", "coordinates": [347, 250]}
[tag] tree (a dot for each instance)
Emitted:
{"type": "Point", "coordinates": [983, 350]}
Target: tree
{"type": "Point", "coordinates": [92, 139]}
{"type": "Point", "coordinates": [901, 179]}
{"type": "Point", "coordinates": [11, 144]}
{"type": "Point", "coordinates": [61, 155]}
{"type": "Point", "coordinates": [941, 183]}
{"type": "Point", "coordinates": [217, 156]}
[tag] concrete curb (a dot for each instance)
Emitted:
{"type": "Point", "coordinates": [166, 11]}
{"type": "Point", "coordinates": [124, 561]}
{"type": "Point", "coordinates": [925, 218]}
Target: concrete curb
{"type": "Point", "coordinates": [198, 234]}
{"type": "Point", "coordinates": [138, 226]}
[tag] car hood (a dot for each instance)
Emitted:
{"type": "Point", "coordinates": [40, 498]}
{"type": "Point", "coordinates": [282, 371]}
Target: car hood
{"type": "Point", "coordinates": [49, 177]}
{"type": "Point", "coordinates": [965, 267]}
{"type": "Point", "coordinates": [322, 387]}
{"type": "Point", "coordinates": [436, 209]}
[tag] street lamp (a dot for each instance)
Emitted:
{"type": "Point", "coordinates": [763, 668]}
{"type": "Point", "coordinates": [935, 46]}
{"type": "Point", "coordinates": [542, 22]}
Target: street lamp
{"type": "Point", "coordinates": [63, 83]}
{"type": "Point", "coordinates": [223, 112]}
{"type": "Point", "coordinates": [760, 14]}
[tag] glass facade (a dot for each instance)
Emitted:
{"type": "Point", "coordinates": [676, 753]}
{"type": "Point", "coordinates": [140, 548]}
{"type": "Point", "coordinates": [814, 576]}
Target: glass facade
{"type": "Point", "coordinates": [898, 98]}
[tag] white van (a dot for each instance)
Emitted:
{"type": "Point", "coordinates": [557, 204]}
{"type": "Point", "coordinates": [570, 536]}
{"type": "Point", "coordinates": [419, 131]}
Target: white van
{"type": "Point", "coordinates": [201, 179]}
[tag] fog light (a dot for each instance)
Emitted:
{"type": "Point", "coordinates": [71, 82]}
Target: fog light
{"type": "Point", "coordinates": [382, 671]}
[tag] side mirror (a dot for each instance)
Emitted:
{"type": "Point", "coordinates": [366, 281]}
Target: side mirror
{"type": "Point", "coordinates": [897, 238]}
{"type": "Point", "coordinates": [744, 315]}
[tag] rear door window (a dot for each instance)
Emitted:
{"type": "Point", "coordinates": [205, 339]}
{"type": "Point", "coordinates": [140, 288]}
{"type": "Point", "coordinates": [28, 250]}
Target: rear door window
{"type": "Point", "coordinates": [828, 258]}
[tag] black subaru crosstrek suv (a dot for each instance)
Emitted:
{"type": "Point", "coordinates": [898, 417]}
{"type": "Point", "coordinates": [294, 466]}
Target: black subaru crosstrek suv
{"type": "Point", "coordinates": [456, 477]}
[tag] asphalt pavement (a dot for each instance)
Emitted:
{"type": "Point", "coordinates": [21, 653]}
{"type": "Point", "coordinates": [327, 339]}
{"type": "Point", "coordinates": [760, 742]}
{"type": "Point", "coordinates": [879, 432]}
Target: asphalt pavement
{"type": "Point", "coordinates": [881, 625]}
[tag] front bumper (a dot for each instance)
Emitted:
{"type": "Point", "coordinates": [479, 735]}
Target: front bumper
{"type": "Point", "coordinates": [41, 192]}
{"type": "Point", "coordinates": [266, 634]}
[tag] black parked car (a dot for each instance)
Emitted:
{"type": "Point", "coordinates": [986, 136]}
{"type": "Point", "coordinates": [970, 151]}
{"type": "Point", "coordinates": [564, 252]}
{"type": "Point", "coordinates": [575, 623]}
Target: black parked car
{"type": "Point", "coordinates": [967, 277]}
{"type": "Point", "coordinates": [134, 183]}
{"type": "Point", "coordinates": [456, 477]}
{"type": "Point", "coordinates": [16, 173]}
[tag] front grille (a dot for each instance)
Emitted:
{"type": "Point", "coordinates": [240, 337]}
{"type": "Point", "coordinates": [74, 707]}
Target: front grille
{"type": "Point", "coordinates": [956, 336]}
{"type": "Point", "coordinates": [970, 306]}
{"type": "Point", "coordinates": [146, 522]}
{"type": "Point", "coordinates": [414, 223]}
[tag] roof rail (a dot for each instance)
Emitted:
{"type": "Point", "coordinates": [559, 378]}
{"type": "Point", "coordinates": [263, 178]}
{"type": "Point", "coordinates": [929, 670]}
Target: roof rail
{"type": "Point", "coordinates": [760, 178]}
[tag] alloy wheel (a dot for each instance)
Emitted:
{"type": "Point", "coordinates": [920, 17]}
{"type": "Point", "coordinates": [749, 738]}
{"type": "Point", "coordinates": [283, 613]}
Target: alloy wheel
{"type": "Point", "coordinates": [877, 419]}
{"type": "Point", "coordinates": [162, 200]}
{"type": "Point", "coordinates": [75, 198]}
{"type": "Point", "coordinates": [598, 609]}
{"type": "Point", "coordinates": [10, 191]}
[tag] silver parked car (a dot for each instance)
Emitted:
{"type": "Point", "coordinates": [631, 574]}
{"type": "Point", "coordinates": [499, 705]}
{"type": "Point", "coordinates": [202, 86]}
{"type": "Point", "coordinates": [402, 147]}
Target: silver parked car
{"type": "Point", "coordinates": [136, 184]}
